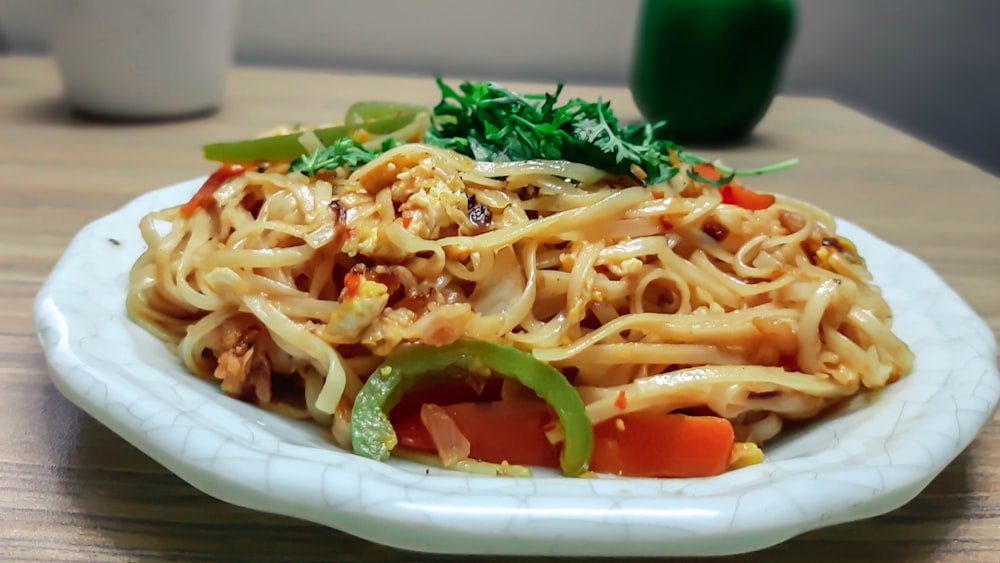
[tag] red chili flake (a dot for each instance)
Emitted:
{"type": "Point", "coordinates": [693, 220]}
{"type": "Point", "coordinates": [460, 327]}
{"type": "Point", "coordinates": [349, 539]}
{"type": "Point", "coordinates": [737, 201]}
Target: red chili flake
{"type": "Point", "coordinates": [353, 279]}
{"type": "Point", "coordinates": [621, 401]}
{"type": "Point", "coordinates": [658, 194]}
{"type": "Point", "coordinates": [666, 224]}
{"type": "Point", "coordinates": [352, 282]}
{"type": "Point", "coordinates": [407, 219]}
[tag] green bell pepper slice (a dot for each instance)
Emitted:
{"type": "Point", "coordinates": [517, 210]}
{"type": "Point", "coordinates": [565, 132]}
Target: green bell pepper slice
{"type": "Point", "coordinates": [370, 110]}
{"type": "Point", "coordinates": [378, 118]}
{"type": "Point", "coordinates": [372, 434]}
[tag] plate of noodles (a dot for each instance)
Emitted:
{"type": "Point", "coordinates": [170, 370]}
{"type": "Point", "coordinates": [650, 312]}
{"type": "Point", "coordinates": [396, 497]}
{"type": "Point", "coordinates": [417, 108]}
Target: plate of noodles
{"type": "Point", "coordinates": [436, 330]}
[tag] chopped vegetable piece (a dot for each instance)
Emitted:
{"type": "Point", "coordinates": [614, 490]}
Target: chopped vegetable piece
{"type": "Point", "coordinates": [203, 197]}
{"type": "Point", "coordinates": [448, 438]}
{"type": "Point", "coordinates": [373, 436]}
{"type": "Point", "coordinates": [638, 445]}
{"type": "Point", "coordinates": [497, 431]}
{"type": "Point", "coordinates": [747, 199]}
{"type": "Point", "coordinates": [285, 148]}
{"type": "Point", "coordinates": [714, 178]}
{"type": "Point", "coordinates": [707, 170]}
{"type": "Point", "coordinates": [662, 445]}
{"type": "Point", "coordinates": [446, 392]}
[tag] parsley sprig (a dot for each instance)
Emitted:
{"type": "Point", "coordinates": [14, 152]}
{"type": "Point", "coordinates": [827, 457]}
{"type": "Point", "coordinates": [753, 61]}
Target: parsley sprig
{"type": "Point", "coordinates": [489, 122]}
{"type": "Point", "coordinates": [343, 152]}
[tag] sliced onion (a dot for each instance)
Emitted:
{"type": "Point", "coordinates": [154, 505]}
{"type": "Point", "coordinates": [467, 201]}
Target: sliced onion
{"type": "Point", "coordinates": [505, 287]}
{"type": "Point", "coordinates": [451, 444]}
{"type": "Point", "coordinates": [563, 168]}
{"type": "Point", "coordinates": [310, 141]}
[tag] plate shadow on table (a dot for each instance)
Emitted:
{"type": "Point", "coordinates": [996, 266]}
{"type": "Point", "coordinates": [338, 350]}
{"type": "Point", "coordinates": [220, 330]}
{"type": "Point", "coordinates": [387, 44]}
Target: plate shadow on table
{"type": "Point", "coordinates": [148, 514]}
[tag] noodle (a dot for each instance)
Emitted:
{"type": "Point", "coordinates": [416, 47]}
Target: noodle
{"type": "Point", "coordinates": [289, 290]}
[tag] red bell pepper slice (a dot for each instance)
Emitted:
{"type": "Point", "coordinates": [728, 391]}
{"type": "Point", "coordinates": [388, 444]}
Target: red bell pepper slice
{"type": "Point", "coordinates": [203, 197]}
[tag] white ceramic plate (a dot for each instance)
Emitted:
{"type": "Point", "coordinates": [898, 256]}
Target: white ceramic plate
{"type": "Point", "coordinates": [855, 465]}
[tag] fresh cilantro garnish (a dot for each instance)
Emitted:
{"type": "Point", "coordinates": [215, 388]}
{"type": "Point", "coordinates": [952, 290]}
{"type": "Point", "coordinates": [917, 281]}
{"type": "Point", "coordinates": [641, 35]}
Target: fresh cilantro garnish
{"type": "Point", "coordinates": [488, 122]}
{"type": "Point", "coordinates": [695, 159]}
{"type": "Point", "coordinates": [343, 152]}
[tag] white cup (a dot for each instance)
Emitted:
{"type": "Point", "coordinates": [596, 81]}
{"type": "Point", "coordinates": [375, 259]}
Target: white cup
{"type": "Point", "coordinates": [144, 59]}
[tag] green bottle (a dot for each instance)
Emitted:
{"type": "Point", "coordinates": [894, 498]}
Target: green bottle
{"type": "Point", "coordinates": [709, 68]}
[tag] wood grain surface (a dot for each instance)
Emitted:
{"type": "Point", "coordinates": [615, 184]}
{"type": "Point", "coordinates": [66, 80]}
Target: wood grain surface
{"type": "Point", "coordinates": [72, 490]}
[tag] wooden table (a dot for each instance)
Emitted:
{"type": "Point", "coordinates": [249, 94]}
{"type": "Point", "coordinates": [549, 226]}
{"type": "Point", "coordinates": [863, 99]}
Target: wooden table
{"type": "Point", "coordinates": [72, 490]}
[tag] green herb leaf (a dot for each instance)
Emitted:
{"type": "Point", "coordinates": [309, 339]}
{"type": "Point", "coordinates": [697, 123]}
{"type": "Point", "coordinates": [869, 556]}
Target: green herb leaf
{"type": "Point", "coordinates": [488, 122]}
{"type": "Point", "coordinates": [714, 183]}
{"type": "Point", "coordinates": [343, 152]}
{"type": "Point", "coordinates": [695, 159]}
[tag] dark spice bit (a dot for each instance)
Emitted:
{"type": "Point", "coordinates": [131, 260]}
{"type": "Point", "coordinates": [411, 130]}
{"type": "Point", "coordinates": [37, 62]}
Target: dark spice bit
{"type": "Point", "coordinates": [479, 214]}
{"type": "Point", "coordinates": [115, 241]}
{"type": "Point", "coordinates": [338, 211]}
{"type": "Point", "coordinates": [832, 242]}
{"type": "Point", "coordinates": [262, 167]}
{"type": "Point", "coordinates": [715, 230]}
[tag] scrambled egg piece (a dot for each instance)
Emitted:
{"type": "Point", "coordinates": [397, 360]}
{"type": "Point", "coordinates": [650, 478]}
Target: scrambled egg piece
{"type": "Point", "coordinates": [357, 312]}
{"type": "Point", "coordinates": [430, 203]}
{"type": "Point", "coordinates": [627, 267]}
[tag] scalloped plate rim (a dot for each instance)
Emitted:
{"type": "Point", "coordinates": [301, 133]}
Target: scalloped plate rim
{"type": "Point", "coordinates": [445, 512]}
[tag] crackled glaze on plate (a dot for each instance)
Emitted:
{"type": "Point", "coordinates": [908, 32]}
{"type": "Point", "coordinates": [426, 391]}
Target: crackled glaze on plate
{"type": "Point", "coordinates": [860, 463]}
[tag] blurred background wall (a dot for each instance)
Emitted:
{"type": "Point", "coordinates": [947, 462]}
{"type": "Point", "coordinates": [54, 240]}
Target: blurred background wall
{"type": "Point", "coordinates": [929, 67]}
